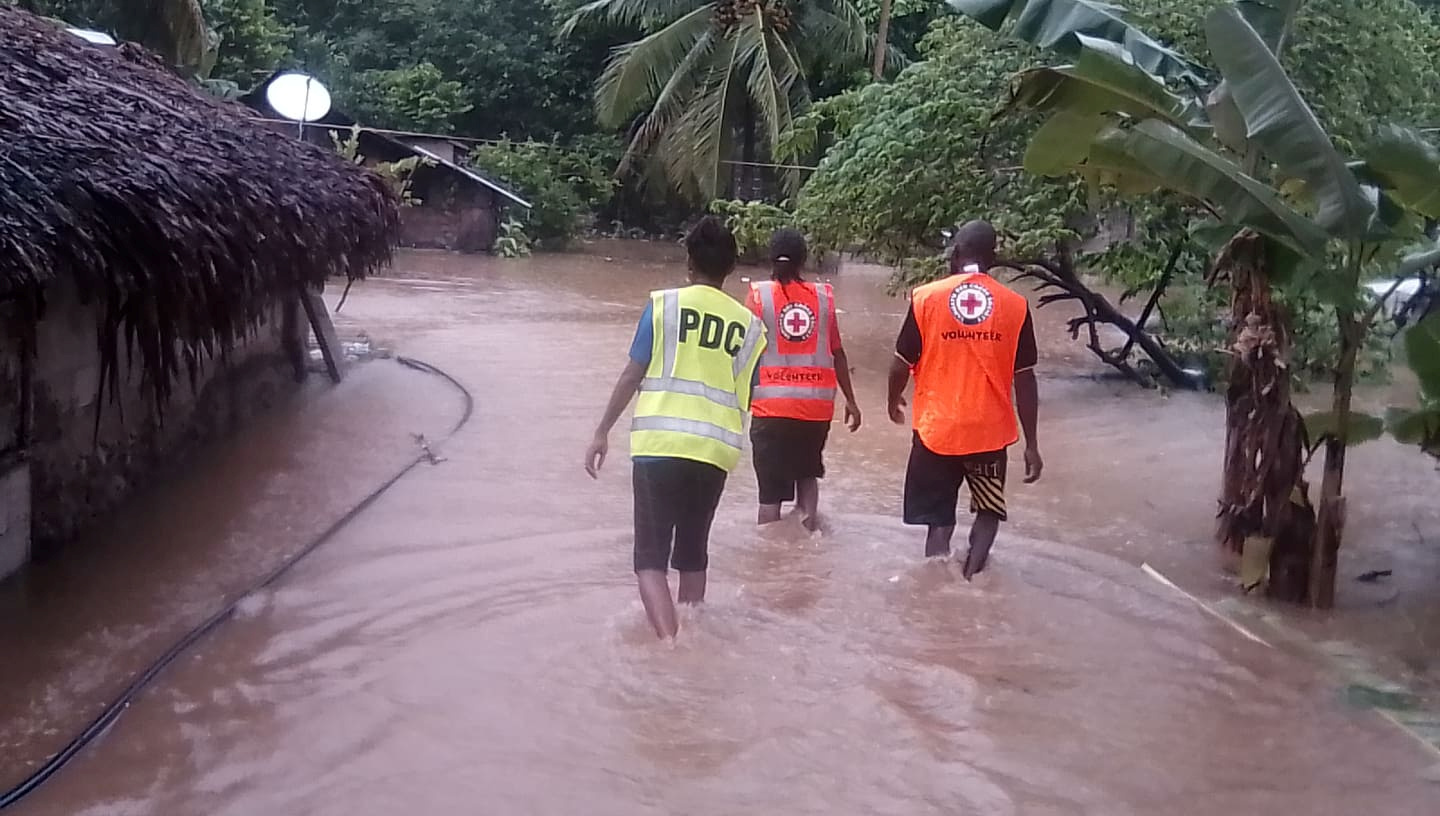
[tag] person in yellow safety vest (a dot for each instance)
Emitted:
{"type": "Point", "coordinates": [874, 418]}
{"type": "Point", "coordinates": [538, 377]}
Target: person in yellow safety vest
{"type": "Point", "coordinates": [693, 362]}
{"type": "Point", "coordinates": [795, 396]}
{"type": "Point", "coordinates": [970, 342]}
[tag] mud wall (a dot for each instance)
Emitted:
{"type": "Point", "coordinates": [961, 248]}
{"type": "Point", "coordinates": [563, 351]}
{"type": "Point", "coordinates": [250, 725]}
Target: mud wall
{"type": "Point", "coordinates": [79, 470]}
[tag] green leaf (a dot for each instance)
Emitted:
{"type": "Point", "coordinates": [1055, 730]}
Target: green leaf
{"type": "Point", "coordinates": [1414, 426]}
{"type": "Point", "coordinates": [1225, 118]}
{"type": "Point", "coordinates": [1282, 124]}
{"type": "Point", "coordinates": [1422, 351]}
{"type": "Point", "coordinates": [1271, 19]}
{"type": "Point", "coordinates": [1062, 144]}
{"type": "Point", "coordinates": [1108, 165]}
{"type": "Point", "coordinates": [1105, 79]}
{"type": "Point", "coordinates": [1057, 25]}
{"type": "Point", "coordinates": [1360, 428]}
{"type": "Point", "coordinates": [640, 71]}
{"type": "Point", "coordinates": [1406, 165]}
{"type": "Point", "coordinates": [1212, 236]}
{"type": "Point", "coordinates": [1191, 168]}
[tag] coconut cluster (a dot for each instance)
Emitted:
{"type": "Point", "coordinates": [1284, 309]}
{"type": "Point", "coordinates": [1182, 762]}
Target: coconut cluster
{"type": "Point", "coordinates": [729, 13]}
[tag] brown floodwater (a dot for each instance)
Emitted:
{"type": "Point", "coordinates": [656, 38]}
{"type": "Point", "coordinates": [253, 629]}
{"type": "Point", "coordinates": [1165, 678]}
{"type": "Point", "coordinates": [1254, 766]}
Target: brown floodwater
{"type": "Point", "coordinates": [472, 642]}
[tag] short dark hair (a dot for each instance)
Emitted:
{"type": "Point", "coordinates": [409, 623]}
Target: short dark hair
{"type": "Point", "coordinates": [974, 242]}
{"type": "Point", "coordinates": [711, 246]}
{"type": "Point", "coordinates": [788, 253]}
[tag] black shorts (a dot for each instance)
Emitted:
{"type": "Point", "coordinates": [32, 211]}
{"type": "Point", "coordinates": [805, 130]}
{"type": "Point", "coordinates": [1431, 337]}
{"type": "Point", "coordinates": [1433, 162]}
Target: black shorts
{"type": "Point", "coordinates": [675, 501]}
{"type": "Point", "coordinates": [932, 484]}
{"type": "Point", "coordinates": [785, 451]}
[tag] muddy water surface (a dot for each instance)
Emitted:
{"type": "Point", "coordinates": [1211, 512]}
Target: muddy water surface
{"type": "Point", "coordinates": [471, 643]}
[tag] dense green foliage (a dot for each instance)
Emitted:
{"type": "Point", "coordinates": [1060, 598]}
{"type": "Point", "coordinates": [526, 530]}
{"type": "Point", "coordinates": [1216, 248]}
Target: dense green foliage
{"type": "Point", "coordinates": [253, 42]}
{"type": "Point", "coordinates": [565, 186]}
{"type": "Point", "coordinates": [918, 155]}
{"type": "Point", "coordinates": [921, 154]}
{"type": "Point", "coordinates": [753, 222]}
{"type": "Point", "coordinates": [495, 66]}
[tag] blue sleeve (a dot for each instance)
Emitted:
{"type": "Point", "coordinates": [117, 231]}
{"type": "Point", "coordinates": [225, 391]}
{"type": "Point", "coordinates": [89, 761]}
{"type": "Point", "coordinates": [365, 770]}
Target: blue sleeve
{"type": "Point", "coordinates": [644, 342]}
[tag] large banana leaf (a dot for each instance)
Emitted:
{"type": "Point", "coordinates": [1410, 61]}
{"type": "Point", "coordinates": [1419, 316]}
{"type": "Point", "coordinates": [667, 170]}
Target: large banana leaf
{"type": "Point", "coordinates": [1105, 79]}
{"type": "Point", "coordinates": [1407, 166]}
{"type": "Point", "coordinates": [1279, 121]}
{"type": "Point", "coordinates": [1061, 145]}
{"type": "Point", "coordinates": [1271, 19]}
{"type": "Point", "coordinates": [1186, 166]}
{"type": "Point", "coordinates": [1058, 24]}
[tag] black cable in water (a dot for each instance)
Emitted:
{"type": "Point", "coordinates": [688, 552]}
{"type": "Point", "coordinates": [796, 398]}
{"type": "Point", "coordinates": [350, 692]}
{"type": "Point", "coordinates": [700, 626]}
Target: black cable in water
{"type": "Point", "coordinates": [112, 712]}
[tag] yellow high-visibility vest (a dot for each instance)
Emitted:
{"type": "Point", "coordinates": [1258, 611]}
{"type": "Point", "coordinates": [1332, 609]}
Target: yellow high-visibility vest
{"type": "Point", "coordinates": [696, 392]}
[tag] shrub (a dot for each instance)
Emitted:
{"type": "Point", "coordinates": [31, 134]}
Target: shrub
{"type": "Point", "coordinates": [565, 186]}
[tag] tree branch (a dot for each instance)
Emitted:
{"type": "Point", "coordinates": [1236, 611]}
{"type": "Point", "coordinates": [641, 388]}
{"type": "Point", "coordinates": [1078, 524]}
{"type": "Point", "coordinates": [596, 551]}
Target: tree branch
{"type": "Point", "coordinates": [1097, 309]}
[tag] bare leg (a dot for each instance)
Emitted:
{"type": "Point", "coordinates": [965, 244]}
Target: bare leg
{"type": "Point", "coordinates": [807, 498]}
{"type": "Point", "coordinates": [659, 608]}
{"type": "Point", "coordinates": [692, 587]}
{"type": "Point", "coordinates": [769, 514]}
{"type": "Point", "coordinates": [982, 536]}
{"type": "Point", "coordinates": [937, 541]}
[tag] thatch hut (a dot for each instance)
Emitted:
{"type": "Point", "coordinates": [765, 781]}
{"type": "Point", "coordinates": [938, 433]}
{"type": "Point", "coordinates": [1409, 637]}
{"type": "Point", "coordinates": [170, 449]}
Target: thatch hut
{"type": "Point", "coordinates": [150, 237]}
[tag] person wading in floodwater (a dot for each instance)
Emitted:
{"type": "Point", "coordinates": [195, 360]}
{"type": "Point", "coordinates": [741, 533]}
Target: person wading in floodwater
{"type": "Point", "coordinates": [799, 371]}
{"type": "Point", "coordinates": [693, 362]}
{"type": "Point", "coordinates": [971, 344]}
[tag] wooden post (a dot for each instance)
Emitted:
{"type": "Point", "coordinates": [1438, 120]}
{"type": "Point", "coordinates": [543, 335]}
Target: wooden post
{"type": "Point", "coordinates": [324, 332]}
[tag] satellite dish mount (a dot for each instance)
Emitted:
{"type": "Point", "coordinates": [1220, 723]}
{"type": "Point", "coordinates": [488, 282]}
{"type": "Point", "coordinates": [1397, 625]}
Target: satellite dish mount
{"type": "Point", "coordinates": [298, 97]}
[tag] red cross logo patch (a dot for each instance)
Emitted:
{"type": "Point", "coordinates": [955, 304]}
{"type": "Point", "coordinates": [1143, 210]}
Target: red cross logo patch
{"type": "Point", "coordinates": [971, 304]}
{"type": "Point", "coordinates": [797, 322]}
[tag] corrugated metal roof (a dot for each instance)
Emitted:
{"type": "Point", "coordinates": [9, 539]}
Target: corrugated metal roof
{"type": "Point", "coordinates": [468, 173]}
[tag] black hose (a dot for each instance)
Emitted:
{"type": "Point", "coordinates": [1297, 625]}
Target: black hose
{"type": "Point", "coordinates": [112, 712]}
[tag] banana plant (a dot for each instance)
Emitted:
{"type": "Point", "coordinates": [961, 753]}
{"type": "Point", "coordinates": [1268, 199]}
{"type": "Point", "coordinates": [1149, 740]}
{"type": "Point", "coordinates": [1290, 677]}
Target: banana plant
{"type": "Point", "coordinates": [1241, 142]}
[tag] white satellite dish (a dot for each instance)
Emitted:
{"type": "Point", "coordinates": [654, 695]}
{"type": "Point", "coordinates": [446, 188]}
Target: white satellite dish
{"type": "Point", "coordinates": [298, 97]}
{"type": "Point", "coordinates": [96, 37]}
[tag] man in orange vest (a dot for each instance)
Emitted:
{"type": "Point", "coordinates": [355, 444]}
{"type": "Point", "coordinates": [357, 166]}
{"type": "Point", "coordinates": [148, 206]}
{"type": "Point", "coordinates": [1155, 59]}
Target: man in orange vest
{"type": "Point", "coordinates": [795, 396]}
{"type": "Point", "coordinates": [970, 343]}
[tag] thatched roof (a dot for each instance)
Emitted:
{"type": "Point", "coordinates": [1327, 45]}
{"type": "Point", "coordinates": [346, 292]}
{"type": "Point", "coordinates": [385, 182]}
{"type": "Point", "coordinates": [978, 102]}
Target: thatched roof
{"type": "Point", "coordinates": [177, 213]}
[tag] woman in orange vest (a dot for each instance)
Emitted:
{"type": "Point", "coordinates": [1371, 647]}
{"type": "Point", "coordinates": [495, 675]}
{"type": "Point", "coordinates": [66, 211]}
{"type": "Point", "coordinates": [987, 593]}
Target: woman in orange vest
{"type": "Point", "coordinates": [971, 344]}
{"type": "Point", "coordinates": [799, 371]}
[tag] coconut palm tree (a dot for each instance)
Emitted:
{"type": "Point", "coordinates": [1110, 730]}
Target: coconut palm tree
{"type": "Point", "coordinates": [713, 81]}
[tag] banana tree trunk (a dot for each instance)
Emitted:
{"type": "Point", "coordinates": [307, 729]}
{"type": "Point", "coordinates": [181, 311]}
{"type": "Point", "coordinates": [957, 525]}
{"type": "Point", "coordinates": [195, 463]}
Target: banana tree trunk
{"type": "Point", "coordinates": [1265, 516]}
{"type": "Point", "coordinates": [1331, 526]}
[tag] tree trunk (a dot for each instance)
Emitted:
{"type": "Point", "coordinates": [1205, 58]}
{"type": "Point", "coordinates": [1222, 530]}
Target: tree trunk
{"type": "Point", "coordinates": [1264, 498]}
{"type": "Point", "coordinates": [748, 146]}
{"type": "Point", "coordinates": [1331, 525]}
{"type": "Point", "coordinates": [882, 39]}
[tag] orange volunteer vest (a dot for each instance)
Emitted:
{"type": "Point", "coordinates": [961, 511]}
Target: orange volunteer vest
{"type": "Point", "coordinates": [797, 369]}
{"type": "Point", "coordinates": [964, 383]}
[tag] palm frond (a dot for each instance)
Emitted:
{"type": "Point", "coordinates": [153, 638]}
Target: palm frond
{"type": "Point", "coordinates": [772, 103]}
{"type": "Point", "coordinates": [637, 72]}
{"type": "Point", "coordinates": [696, 147]}
{"type": "Point", "coordinates": [836, 36]}
{"type": "Point", "coordinates": [671, 102]}
{"type": "Point", "coordinates": [644, 14]}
